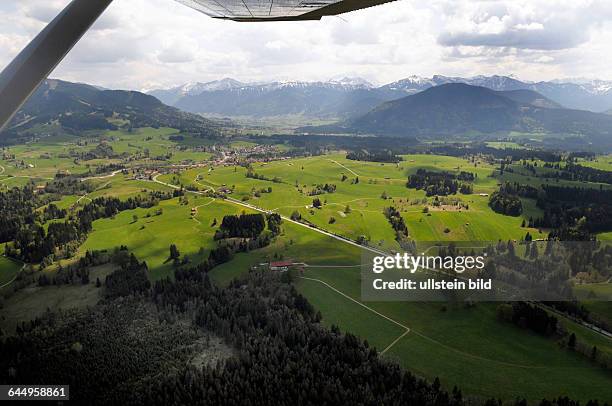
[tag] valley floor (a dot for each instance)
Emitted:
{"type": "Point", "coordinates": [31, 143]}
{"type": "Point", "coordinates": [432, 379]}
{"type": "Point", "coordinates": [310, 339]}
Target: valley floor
{"type": "Point", "coordinates": [464, 346]}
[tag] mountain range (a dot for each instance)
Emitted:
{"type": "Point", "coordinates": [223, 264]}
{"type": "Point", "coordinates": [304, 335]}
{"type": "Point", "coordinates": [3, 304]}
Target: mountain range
{"type": "Point", "coordinates": [351, 97]}
{"type": "Point", "coordinates": [440, 111]}
{"type": "Point", "coordinates": [228, 97]}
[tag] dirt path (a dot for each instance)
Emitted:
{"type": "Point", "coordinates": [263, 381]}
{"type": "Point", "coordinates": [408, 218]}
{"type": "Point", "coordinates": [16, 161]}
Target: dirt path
{"type": "Point", "coordinates": [348, 169]}
{"type": "Point", "coordinates": [406, 328]}
{"type": "Point", "coordinates": [193, 216]}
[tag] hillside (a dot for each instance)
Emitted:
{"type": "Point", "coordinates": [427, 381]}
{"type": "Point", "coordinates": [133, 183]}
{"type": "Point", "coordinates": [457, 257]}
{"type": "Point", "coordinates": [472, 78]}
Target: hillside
{"type": "Point", "coordinates": [595, 95]}
{"type": "Point", "coordinates": [78, 107]}
{"type": "Point", "coordinates": [456, 109]}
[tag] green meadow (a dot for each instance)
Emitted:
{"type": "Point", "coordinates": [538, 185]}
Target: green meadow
{"type": "Point", "coordinates": [464, 346]}
{"type": "Point", "coordinates": [475, 350]}
{"type": "Point", "coordinates": [8, 270]}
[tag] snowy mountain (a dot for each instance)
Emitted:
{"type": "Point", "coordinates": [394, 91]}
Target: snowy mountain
{"type": "Point", "coordinates": [346, 97]}
{"type": "Point", "coordinates": [334, 98]}
{"type": "Point", "coordinates": [173, 95]}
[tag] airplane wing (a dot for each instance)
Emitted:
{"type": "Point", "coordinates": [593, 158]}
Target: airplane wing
{"type": "Point", "coordinates": [32, 66]}
{"type": "Point", "coordinates": [277, 10]}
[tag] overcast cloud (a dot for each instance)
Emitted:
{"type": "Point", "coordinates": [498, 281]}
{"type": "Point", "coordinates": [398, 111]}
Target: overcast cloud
{"type": "Point", "coordinates": [144, 44]}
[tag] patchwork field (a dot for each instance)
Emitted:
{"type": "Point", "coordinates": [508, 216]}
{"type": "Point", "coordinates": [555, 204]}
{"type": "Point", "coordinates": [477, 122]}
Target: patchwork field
{"type": "Point", "coordinates": [296, 178]}
{"type": "Point", "coordinates": [464, 346]}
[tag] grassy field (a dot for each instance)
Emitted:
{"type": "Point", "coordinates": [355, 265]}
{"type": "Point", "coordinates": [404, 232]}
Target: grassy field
{"type": "Point", "coordinates": [34, 301]}
{"type": "Point", "coordinates": [299, 177]}
{"type": "Point", "coordinates": [40, 161]}
{"type": "Point", "coordinates": [8, 270]}
{"type": "Point", "coordinates": [601, 162]}
{"type": "Point", "coordinates": [462, 339]}
{"type": "Point", "coordinates": [468, 347]}
{"type": "Point", "coordinates": [150, 237]}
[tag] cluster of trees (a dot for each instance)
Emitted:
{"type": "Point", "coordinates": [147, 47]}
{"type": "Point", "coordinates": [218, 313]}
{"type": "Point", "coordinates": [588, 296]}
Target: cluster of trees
{"type": "Point", "coordinates": [506, 203]}
{"type": "Point", "coordinates": [466, 189]}
{"type": "Point", "coordinates": [254, 175]}
{"type": "Point", "coordinates": [243, 226]}
{"type": "Point", "coordinates": [572, 213]}
{"type": "Point", "coordinates": [101, 151]}
{"type": "Point", "coordinates": [109, 168]}
{"type": "Point", "coordinates": [250, 229]}
{"type": "Point", "coordinates": [257, 193]}
{"type": "Point", "coordinates": [63, 184]}
{"type": "Point", "coordinates": [107, 207]}
{"type": "Point", "coordinates": [321, 189]}
{"type": "Point", "coordinates": [274, 223]}
{"type": "Point", "coordinates": [515, 188]}
{"type": "Point", "coordinates": [466, 176]}
{"type": "Point", "coordinates": [440, 183]}
{"type": "Point", "coordinates": [528, 316]}
{"type": "Point", "coordinates": [52, 212]}
{"type": "Point", "coordinates": [397, 222]}
{"type": "Point", "coordinates": [383, 155]}
{"type": "Point", "coordinates": [131, 278]}
{"type": "Point", "coordinates": [32, 243]}
{"type": "Point", "coordinates": [507, 199]}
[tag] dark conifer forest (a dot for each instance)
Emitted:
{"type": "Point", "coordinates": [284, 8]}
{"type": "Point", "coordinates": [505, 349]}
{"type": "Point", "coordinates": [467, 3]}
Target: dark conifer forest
{"type": "Point", "coordinates": [138, 346]}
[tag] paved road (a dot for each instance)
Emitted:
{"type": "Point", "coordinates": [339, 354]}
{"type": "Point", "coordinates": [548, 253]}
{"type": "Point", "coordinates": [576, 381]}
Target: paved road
{"type": "Point", "coordinates": [103, 176]}
{"type": "Point", "coordinates": [250, 206]}
{"type": "Point", "coordinates": [365, 247]}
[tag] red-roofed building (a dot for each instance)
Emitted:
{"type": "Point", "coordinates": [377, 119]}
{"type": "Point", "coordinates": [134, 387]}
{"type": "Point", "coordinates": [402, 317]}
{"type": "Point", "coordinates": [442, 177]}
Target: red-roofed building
{"type": "Point", "coordinates": [280, 265]}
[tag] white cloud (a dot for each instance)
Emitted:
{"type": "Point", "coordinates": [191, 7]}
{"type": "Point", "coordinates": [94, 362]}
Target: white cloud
{"type": "Point", "coordinates": [148, 43]}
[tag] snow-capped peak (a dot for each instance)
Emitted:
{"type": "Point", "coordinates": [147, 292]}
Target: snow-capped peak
{"type": "Point", "coordinates": [195, 88]}
{"type": "Point", "coordinates": [352, 82]}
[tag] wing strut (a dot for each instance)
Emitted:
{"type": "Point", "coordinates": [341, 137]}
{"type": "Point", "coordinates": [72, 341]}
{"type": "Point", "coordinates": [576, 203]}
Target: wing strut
{"type": "Point", "coordinates": [32, 66]}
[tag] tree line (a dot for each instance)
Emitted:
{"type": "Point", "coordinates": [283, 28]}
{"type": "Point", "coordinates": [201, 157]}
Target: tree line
{"type": "Point", "coordinates": [382, 155]}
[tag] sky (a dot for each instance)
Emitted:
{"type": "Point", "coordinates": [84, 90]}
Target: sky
{"type": "Point", "coordinates": [148, 44]}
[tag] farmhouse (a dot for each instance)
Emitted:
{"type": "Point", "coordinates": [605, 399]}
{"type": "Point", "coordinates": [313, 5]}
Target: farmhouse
{"type": "Point", "coordinates": [281, 266]}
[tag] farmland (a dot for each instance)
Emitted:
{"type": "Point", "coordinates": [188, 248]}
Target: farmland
{"type": "Point", "coordinates": [465, 346]}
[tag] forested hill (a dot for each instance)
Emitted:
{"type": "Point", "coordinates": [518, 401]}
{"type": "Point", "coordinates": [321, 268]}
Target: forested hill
{"type": "Point", "coordinates": [456, 109]}
{"type": "Point", "coordinates": [77, 107]}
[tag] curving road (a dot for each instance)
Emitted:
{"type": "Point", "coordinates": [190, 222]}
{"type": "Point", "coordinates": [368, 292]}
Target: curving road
{"type": "Point", "coordinates": [354, 243]}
